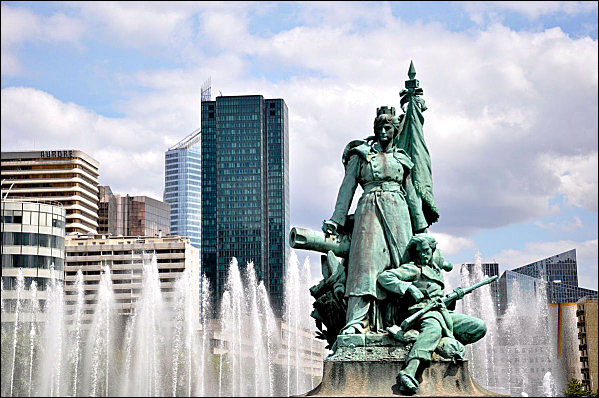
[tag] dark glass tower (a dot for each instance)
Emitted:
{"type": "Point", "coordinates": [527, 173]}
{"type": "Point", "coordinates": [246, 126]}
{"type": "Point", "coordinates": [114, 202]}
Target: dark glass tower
{"type": "Point", "coordinates": [557, 274]}
{"type": "Point", "coordinates": [245, 189]}
{"type": "Point", "coordinates": [562, 271]}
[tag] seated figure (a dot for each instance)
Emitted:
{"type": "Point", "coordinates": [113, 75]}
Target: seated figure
{"type": "Point", "coordinates": [417, 282]}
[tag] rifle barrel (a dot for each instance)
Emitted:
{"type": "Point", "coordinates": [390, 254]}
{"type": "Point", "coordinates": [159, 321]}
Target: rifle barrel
{"type": "Point", "coordinates": [447, 299]}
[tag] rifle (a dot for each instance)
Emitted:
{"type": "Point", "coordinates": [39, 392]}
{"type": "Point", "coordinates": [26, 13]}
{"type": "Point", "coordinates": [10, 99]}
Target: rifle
{"type": "Point", "coordinates": [455, 295]}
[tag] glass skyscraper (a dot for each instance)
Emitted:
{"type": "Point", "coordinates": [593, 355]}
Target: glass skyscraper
{"type": "Point", "coordinates": [245, 189]}
{"type": "Point", "coordinates": [183, 187]}
{"type": "Point", "coordinates": [556, 275]}
{"type": "Point", "coordinates": [562, 271]}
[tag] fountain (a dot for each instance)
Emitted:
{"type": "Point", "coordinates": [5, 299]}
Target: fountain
{"type": "Point", "coordinates": [517, 356]}
{"type": "Point", "coordinates": [54, 348]}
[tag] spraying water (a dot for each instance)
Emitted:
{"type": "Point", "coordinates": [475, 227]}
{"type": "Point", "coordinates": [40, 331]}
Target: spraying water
{"type": "Point", "coordinates": [19, 289]}
{"type": "Point", "coordinates": [81, 344]}
{"type": "Point", "coordinates": [34, 310]}
{"type": "Point", "coordinates": [517, 354]}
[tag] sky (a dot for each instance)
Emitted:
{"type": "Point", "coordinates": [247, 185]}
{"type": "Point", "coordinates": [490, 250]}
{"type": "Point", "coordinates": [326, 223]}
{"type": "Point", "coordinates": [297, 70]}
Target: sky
{"type": "Point", "coordinates": [511, 90]}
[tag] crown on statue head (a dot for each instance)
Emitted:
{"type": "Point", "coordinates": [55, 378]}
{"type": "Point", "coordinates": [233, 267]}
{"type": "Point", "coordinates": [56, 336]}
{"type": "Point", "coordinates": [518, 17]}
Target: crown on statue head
{"type": "Point", "coordinates": [385, 110]}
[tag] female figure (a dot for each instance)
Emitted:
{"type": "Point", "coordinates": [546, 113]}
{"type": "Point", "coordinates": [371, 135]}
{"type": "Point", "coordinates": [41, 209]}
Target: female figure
{"type": "Point", "coordinates": [388, 214]}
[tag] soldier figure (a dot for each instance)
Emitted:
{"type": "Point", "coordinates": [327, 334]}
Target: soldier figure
{"type": "Point", "coordinates": [421, 277]}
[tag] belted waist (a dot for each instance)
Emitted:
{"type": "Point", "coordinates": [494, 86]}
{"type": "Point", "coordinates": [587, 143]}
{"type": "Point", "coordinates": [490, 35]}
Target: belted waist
{"type": "Point", "coordinates": [388, 186]}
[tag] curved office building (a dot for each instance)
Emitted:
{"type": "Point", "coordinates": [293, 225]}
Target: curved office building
{"type": "Point", "coordinates": [33, 240]}
{"type": "Point", "coordinates": [69, 177]}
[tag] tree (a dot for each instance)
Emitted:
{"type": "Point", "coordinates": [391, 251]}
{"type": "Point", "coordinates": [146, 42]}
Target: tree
{"type": "Point", "coordinates": [575, 389]}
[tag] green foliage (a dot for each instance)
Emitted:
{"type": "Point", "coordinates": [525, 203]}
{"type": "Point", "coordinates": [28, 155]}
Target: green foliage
{"type": "Point", "coordinates": [575, 389]}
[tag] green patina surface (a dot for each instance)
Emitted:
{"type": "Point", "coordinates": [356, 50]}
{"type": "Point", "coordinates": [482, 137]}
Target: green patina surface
{"type": "Point", "coordinates": [384, 298]}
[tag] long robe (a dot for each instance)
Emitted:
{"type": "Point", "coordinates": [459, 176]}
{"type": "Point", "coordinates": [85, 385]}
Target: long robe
{"type": "Point", "coordinates": [386, 214]}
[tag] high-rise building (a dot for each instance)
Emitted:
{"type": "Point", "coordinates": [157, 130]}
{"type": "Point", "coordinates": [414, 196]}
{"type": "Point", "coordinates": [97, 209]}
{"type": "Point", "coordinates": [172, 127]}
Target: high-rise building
{"type": "Point", "coordinates": [183, 187]}
{"type": "Point", "coordinates": [562, 271]}
{"type": "Point", "coordinates": [107, 211]}
{"type": "Point", "coordinates": [589, 343]}
{"type": "Point", "coordinates": [32, 243]}
{"type": "Point", "coordinates": [488, 269]}
{"type": "Point", "coordinates": [69, 177]}
{"type": "Point", "coordinates": [561, 268]}
{"type": "Point", "coordinates": [245, 189]}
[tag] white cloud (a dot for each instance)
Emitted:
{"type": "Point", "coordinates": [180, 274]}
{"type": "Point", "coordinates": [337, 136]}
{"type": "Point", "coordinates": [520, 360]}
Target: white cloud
{"type": "Point", "coordinates": [530, 9]}
{"type": "Point", "coordinates": [138, 24]}
{"type": "Point", "coordinates": [130, 154]}
{"type": "Point", "coordinates": [20, 25]}
{"type": "Point", "coordinates": [577, 176]}
{"type": "Point", "coordinates": [11, 66]}
{"type": "Point", "coordinates": [567, 225]}
{"type": "Point", "coordinates": [452, 244]}
{"type": "Point", "coordinates": [512, 119]}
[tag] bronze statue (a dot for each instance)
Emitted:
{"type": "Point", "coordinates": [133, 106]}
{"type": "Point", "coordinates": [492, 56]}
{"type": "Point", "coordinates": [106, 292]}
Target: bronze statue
{"type": "Point", "coordinates": [422, 278]}
{"type": "Point", "coordinates": [386, 213]}
{"type": "Point", "coordinates": [382, 273]}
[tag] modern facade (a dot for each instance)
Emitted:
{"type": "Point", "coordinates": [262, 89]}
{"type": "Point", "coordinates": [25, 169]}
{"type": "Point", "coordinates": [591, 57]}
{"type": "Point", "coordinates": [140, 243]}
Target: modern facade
{"type": "Point", "coordinates": [132, 215]}
{"type": "Point", "coordinates": [512, 286]}
{"type": "Point", "coordinates": [142, 216]}
{"type": "Point", "coordinates": [488, 269]}
{"type": "Point", "coordinates": [33, 240]}
{"type": "Point", "coordinates": [589, 345]}
{"type": "Point", "coordinates": [125, 256]}
{"type": "Point", "coordinates": [69, 177]}
{"type": "Point", "coordinates": [183, 187]}
{"type": "Point", "coordinates": [562, 271]}
{"type": "Point", "coordinates": [245, 189]}
{"type": "Point", "coordinates": [106, 211]}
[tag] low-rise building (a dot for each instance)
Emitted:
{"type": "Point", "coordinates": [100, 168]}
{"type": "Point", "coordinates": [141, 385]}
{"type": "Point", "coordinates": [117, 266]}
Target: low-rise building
{"type": "Point", "coordinates": [126, 257]}
{"type": "Point", "coordinates": [33, 236]}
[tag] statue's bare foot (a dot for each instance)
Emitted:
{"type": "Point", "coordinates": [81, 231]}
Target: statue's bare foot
{"type": "Point", "coordinates": [409, 384]}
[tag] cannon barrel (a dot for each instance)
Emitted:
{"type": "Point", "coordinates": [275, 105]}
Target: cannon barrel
{"type": "Point", "coordinates": [306, 239]}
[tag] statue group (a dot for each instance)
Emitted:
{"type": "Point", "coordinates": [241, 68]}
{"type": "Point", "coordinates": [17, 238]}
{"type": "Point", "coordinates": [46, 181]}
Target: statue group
{"type": "Point", "coordinates": [382, 270]}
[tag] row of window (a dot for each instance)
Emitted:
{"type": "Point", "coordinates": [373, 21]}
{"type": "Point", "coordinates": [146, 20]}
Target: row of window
{"type": "Point", "coordinates": [31, 261]}
{"type": "Point", "coordinates": [10, 282]}
{"type": "Point", "coordinates": [32, 239]}
{"type": "Point", "coordinates": [33, 218]}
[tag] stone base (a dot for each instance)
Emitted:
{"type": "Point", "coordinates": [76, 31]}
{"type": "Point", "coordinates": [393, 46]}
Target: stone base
{"type": "Point", "coordinates": [369, 365]}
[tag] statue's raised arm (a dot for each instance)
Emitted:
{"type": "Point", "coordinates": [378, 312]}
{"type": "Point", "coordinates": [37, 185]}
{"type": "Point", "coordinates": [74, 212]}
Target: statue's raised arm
{"type": "Point", "coordinates": [411, 140]}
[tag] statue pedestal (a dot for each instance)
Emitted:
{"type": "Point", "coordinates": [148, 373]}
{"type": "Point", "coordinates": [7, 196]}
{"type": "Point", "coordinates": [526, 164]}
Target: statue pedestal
{"type": "Point", "coordinates": [369, 365]}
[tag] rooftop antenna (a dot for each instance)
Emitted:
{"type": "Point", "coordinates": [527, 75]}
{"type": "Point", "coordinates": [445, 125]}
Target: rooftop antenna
{"type": "Point", "coordinates": [205, 94]}
{"type": "Point", "coordinates": [206, 90]}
